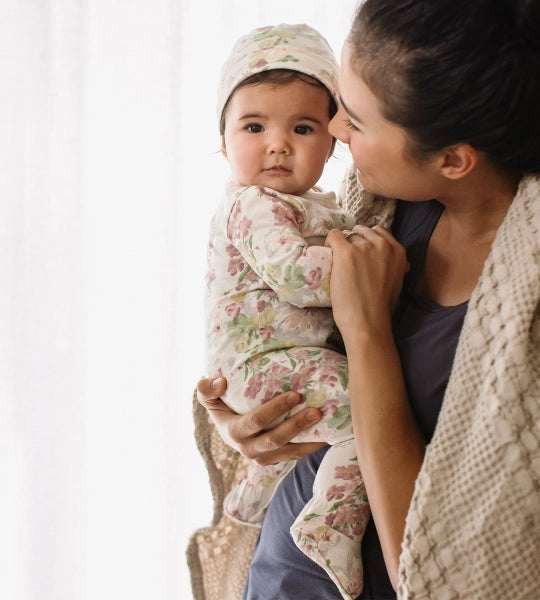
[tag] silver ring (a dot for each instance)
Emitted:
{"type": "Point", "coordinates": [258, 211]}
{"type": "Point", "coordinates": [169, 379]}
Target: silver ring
{"type": "Point", "coordinates": [348, 233]}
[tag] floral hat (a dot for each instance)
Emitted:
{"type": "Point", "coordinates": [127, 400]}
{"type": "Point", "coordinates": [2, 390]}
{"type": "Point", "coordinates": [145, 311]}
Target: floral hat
{"type": "Point", "coordinates": [294, 47]}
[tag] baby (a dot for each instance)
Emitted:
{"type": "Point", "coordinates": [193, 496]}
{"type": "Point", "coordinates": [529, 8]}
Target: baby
{"type": "Point", "coordinates": [268, 315]}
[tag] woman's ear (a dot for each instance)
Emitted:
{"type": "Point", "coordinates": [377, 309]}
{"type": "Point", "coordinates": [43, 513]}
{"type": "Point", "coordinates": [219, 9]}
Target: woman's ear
{"type": "Point", "coordinates": [223, 146]}
{"type": "Point", "coordinates": [457, 161]}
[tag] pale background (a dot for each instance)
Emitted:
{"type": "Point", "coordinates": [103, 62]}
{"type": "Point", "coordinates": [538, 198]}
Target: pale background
{"type": "Point", "coordinates": [109, 172]}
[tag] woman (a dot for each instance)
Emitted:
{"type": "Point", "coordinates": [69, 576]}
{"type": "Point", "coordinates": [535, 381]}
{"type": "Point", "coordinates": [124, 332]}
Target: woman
{"type": "Point", "coordinates": [439, 109]}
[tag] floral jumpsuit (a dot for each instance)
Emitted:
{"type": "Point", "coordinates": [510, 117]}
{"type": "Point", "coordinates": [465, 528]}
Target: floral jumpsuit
{"type": "Point", "coordinates": [269, 330]}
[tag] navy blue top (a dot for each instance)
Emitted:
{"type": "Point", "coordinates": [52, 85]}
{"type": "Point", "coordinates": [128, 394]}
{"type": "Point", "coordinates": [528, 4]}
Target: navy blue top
{"type": "Point", "coordinates": [426, 336]}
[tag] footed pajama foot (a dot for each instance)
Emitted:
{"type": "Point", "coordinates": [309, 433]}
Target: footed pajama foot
{"type": "Point", "coordinates": [248, 500]}
{"type": "Point", "coordinates": [330, 527]}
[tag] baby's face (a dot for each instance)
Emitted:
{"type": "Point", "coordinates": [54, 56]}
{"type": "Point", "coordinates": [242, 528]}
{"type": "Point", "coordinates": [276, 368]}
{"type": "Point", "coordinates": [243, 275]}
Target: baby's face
{"type": "Point", "coordinates": [277, 135]}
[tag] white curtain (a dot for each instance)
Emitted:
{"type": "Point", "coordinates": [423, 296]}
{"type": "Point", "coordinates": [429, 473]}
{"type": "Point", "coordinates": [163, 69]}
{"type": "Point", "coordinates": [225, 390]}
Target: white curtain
{"type": "Point", "coordinates": [109, 172]}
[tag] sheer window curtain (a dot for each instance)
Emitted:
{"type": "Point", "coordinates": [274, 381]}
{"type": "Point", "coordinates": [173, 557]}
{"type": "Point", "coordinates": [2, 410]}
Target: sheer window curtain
{"type": "Point", "coordinates": [109, 172]}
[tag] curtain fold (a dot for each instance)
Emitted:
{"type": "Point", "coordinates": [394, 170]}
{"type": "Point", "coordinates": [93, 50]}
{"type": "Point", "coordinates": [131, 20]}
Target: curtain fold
{"type": "Point", "coordinates": [42, 335]}
{"type": "Point", "coordinates": [109, 172]}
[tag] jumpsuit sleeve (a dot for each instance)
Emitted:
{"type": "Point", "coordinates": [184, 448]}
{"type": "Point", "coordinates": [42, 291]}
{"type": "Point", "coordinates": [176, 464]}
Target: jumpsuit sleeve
{"type": "Point", "coordinates": [266, 230]}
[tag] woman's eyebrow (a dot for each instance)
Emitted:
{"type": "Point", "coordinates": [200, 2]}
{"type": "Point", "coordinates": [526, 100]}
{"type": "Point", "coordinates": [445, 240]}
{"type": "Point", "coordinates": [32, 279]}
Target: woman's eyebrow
{"type": "Point", "coordinates": [349, 111]}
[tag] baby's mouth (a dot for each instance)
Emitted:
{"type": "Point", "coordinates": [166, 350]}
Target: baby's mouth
{"type": "Point", "coordinates": [278, 169]}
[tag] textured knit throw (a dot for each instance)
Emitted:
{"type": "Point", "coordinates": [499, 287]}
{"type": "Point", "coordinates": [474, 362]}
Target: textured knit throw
{"type": "Point", "coordinates": [473, 529]}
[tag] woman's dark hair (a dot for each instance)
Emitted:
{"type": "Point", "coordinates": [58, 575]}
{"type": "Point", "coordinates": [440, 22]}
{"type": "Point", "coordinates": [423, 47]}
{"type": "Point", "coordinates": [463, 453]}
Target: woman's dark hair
{"type": "Point", "coordinates": [456, 71]}
{"type": "Point", "coordinates": [279, 77]}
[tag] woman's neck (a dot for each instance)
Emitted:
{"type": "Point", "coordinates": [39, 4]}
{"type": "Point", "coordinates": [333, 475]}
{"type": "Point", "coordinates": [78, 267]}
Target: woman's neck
{"type": "Point", "coordinates": [462, 239]}
{"type": "Point", "coordinates": [476, 206]}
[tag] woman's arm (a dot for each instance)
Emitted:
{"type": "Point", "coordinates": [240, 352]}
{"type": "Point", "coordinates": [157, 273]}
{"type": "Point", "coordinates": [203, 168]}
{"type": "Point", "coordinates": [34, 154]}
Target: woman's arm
{"type": "Point", "coordinates": [366, 281]}
{"type": "Point", "coordinates": [246, 433]}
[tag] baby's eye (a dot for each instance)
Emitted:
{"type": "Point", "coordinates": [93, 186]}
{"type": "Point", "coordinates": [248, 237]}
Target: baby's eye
{"type": "Point", "coordinates": [254, 128]}
{"type": "Point", "coordinates": [303, 129]}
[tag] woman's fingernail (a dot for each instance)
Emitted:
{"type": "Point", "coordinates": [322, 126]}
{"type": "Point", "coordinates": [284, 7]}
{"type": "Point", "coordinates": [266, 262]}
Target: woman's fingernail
{"type": "Point", "coordinates": [312, 415]}
{"type": "Point", "coordinates": [217, 384]}
{"type": "Point", "coordinates": [291, 399]}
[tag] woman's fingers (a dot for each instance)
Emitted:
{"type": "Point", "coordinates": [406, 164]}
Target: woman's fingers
{"type": "Point", "coordinates": [376, 235]}
{"type": "Point", "coordinates": [210, 390]}
{"type": "Point", "coordinates": [268, 447]}
{"type": "Point", "coordinates": [247, 433]}
{"type": "Point", "coordinates": [262, 417]}
{"type": "Point", "coordinates": [274, 445]}
{"type": "Point", "coordinates": [367, 277]}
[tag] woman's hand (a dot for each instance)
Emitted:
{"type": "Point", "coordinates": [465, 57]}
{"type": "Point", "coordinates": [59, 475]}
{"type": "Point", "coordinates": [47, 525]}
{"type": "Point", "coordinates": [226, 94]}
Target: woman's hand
{"type": "Point", "coordinates": [367, 275]}
{"type": "Point", "coordinates": [246, 433]}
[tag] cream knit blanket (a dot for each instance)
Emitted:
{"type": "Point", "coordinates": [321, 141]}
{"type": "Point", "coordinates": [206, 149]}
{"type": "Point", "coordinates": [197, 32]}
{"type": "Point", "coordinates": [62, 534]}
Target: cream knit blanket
{"type": "Point", "coordinates": [473, 529]}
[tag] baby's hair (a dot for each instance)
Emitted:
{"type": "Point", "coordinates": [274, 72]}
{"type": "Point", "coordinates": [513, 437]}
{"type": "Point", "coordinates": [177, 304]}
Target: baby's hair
{"type": "Point", "coordinates": [279, 77]}
{"type": "Point", "coordinates": [456, 71]}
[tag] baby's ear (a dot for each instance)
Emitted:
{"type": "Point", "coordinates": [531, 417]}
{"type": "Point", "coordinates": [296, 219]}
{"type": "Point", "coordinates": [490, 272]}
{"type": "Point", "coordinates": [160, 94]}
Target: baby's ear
{"type": "Point", "coordinates": [457, 161]}
{"type": "Point", "coordinates": [223, 146]}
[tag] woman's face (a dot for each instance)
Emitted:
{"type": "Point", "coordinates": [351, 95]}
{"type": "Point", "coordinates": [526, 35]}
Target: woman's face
{"type": "Point", "coordinates": [378, 146]}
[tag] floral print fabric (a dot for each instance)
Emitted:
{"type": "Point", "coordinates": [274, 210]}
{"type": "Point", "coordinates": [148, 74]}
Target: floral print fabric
{"type": "Point", "coordinates": [269, 326]}
{"type": "Point", "coordinates": [296, 47]}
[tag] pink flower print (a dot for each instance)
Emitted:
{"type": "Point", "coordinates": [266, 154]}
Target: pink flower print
{"type": "Point", "coordinates": [348, 472]}
{"type": "Point", "coordinates": [285, 214]}
{"type": "Point", "coordinates": [237, 210]}
{"type": "Point", "coordinates": [326, 541]}
{"type": "Point", "coordinates": [261, 305]}
{"type": "Point", "coordinates": [302, 353]}
{"type": "Point", "coordinates": [251, 276]}
{"type": "Point", "coordinates": [274, 380]}
{"type": "Point", "coordinates": [330, 407]}
{"type": "Point", "coordinates": [236, 265]}
{"type": "Point", "coordinates": [362, 513]}
{"type": "Point", "coordinates": [283, 240]}
{"type": "Point", "coordinates": [313, 278]}
{"type": "Point", "coordinates": [336, 492]}
{"type": "Point", "coordinates": [254, 385]}
{"type": "Point", "coordinates": [301, 379]}
{"type": "Point", "coordinates": [349, 519]}
{"type": "Point", "coordinates": [266, 332]}
{"type": "Point", "coordinates": [261, 63]}
{"type": "Point", "coordinates": [234, 309]}
{"type": "Point", "coordinates": [329, 379]}
{"type": "Point", "coordinates": [241, 229]}
{"type": "Point", "coordinates": [333, 361]}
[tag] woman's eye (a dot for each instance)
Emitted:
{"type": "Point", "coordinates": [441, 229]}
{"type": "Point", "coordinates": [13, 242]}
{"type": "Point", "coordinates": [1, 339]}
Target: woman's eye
{"type": "Point", "coordinates": [303, 129]}
{"type": "Point", "coordinates": [254, 128]}
{"type": "Point", "coordinates": [350, 125]}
